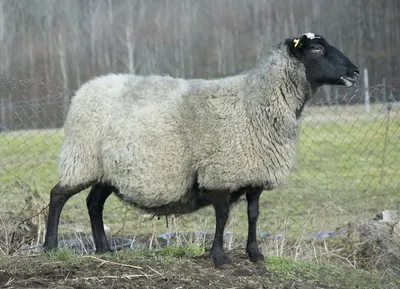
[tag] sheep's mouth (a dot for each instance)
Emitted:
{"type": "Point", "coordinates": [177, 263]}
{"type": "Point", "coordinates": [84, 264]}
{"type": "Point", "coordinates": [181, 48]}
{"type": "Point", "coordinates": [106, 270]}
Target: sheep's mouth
{"type": "Point", "coordinates": [349, 81]}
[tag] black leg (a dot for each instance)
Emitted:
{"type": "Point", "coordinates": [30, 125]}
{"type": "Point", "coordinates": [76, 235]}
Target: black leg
{"type": "Point", "coordinates": [59, 195]}
{"type": "Point", "coordinates": [220, 202]}
{"type": "Point", "coordinates": [95, 203]}
{"type": "Point", "coordinates": [253, 197]}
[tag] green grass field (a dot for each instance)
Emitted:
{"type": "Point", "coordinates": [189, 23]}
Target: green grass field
{"type": "Point", "coordinates": [348, 168]}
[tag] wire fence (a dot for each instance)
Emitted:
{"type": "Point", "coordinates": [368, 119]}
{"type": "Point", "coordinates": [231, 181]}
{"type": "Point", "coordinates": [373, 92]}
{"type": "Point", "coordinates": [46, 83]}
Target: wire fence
{"type": "Point", "coordinates": [347, 166]}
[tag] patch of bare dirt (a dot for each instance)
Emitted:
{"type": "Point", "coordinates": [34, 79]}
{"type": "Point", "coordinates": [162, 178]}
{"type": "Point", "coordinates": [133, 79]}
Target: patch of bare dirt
{"type": "Point", "coordinates": [154, 272]}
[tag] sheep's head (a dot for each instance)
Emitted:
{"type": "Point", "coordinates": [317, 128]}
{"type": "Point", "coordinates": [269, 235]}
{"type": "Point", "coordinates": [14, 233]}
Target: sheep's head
{"type": "Point", "coordinates": [324, 63]}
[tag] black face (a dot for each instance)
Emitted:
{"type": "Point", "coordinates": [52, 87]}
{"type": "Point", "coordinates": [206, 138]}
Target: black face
{"type": "Point", "coordinates": [324, 63]}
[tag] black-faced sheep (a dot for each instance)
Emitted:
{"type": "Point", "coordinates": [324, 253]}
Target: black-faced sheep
{"type": "Point", "coordinates": [173, 146]}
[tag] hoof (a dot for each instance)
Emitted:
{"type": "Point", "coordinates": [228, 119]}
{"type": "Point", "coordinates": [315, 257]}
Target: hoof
{"type": "Point", "coordinates": [49, 248]}
{"type": "Point", "coordinates": [103, 251]}
{"type": "Point", "coordinates": [259, 262]}
{"type": "Point", "coordinates": [256, 257]}
{"type": "Point", "coordinates": [224, 267]}
{"type": "Point", "coordinates": [221, 260]}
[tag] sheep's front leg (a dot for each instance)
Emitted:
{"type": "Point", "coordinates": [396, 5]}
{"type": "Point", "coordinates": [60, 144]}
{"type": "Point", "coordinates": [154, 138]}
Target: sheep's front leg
{"type": "Point", "coordinates": [253, 197]}
{"type": "Point", "coordinates": [220, 202]}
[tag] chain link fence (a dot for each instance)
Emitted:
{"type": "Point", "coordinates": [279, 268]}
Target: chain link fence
{"type": "Point", "coordinates": [348, 166]}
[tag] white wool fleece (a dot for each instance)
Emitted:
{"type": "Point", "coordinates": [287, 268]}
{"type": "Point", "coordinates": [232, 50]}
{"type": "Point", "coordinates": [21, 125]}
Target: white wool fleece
{"type": "Point", "coordinates": [150, 136]}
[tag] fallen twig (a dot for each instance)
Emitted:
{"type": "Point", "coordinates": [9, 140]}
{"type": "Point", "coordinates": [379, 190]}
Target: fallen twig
{"type": "Point", "coordinates": [155, 271]}
{"type": "Point", "coordinates": [114, 277]}
{"type": "Point", "coordinates": [9, 282]}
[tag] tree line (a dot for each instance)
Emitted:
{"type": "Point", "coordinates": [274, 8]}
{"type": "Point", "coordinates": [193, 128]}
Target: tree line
{"type": "Point", "coordinates": [65, 43]}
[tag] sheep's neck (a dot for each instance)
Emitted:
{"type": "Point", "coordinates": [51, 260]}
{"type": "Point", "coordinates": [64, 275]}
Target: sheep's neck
{"type": "Point", "coordinates": [266, 100]}
{"type": "Point", "coordinates": [278, 86]}
{"type": "Point", "coordinates": [273, 106]}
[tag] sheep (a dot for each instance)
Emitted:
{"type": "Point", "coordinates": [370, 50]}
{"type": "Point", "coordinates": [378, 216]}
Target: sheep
{"type": "Point", "coordinates": [172, 146]}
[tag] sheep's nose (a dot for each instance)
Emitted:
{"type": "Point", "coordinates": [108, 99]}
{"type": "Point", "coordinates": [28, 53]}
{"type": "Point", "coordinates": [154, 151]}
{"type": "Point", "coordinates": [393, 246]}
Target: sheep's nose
{"type": "Point", "coordinates": [356, 72]}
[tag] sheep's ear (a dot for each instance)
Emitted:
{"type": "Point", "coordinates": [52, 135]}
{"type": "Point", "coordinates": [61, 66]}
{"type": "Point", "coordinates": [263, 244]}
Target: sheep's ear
{"type": "Point", "coordinates": [295, 44]}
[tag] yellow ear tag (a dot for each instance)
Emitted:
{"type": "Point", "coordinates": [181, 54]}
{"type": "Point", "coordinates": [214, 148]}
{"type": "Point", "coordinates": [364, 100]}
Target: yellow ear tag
{"type": "Point", "coordinates": [296, 42]}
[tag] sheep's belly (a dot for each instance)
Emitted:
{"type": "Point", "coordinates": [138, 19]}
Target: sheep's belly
{"type": "Point", "coordinates": [150, 181]}
{"type": "Point", "coordinates": [150, 197]}
{"type": "Point", "coordinates": [160, 204]}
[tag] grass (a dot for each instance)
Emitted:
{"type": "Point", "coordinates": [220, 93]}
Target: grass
{"type": "Point", "coordinates": [346, 170]}
{"type": "Point", "coordinates": [290, 269]}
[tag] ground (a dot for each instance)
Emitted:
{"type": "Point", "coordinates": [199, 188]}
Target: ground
{"type": "Point", "coordinates": [177, 268]}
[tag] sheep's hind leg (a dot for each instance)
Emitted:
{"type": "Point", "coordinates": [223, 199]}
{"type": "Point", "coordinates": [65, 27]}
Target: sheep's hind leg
{"type": "Point", "coordinates": [59, 195]}
{"type": "Point", "coordinates": [253, 197]}
{"type": "Point", "coordinates": [220, 203]}
{"type": "Point", "coordinates": [95, 204]}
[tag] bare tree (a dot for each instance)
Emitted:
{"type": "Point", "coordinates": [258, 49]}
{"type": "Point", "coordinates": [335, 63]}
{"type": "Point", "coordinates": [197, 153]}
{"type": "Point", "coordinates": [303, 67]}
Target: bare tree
{"type": "Point", "coordinates": [67, 42]}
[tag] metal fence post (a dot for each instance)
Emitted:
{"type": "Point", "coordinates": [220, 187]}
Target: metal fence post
{"type": "Point", "coordinates": [366, 94]}
{"type": "Point", "coordinates": [384, 90]}
{"type": "Point", "coordinates": [336, 98]}
{"type": "Point", "coordinates": [3, 114]}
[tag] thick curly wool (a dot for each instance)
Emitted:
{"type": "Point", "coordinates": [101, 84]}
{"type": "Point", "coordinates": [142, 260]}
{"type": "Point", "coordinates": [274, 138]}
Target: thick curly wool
{"type": "Point", "coordinates": [154, 138]}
